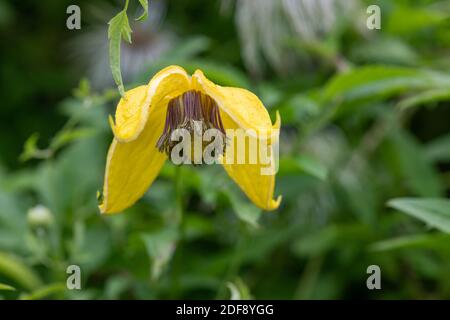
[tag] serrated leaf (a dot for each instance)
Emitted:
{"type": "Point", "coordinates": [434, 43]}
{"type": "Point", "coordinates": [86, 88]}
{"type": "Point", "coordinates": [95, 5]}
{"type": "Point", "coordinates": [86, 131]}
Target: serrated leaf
{"type": "Point", "coordinates": [433, 211]}
{"type": "Point", "coordinates": [144, 15]}
{"type": "Point", "coordinates": [118, 28]}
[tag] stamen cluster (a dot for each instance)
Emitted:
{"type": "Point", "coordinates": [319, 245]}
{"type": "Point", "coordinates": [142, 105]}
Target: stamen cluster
{"type": "Point", "coordinates": [193, 111]}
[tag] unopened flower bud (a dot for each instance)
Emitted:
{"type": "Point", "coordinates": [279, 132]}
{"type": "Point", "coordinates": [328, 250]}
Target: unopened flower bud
{"type": "Point", "coordinates": [39, 216]}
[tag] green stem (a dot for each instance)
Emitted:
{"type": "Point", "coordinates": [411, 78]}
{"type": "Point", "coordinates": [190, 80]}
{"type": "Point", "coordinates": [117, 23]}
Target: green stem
{"type": "Point", "coordinates": [178, 222]}
{"type": "Point", "coordinates": [233, 268]}
{"type": "Point", "coordinates": [178, 195]}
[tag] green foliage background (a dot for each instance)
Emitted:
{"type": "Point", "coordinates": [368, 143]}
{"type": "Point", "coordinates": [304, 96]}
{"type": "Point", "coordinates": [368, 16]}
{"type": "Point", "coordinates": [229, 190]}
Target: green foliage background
{"type": "Point", "coordinates": [364, 168]}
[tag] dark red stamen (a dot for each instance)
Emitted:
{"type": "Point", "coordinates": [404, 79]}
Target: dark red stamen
{"type": "Point", "coordinates": [182, 113]}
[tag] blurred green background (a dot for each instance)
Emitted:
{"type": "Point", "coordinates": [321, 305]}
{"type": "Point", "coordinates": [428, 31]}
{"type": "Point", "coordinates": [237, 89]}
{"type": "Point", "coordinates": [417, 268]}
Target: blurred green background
{"type": "Point", "coordinates": [364, 153]}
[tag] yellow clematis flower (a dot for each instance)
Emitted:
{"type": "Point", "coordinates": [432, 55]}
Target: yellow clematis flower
{"type": "Point", "coordinates": [172, 99]}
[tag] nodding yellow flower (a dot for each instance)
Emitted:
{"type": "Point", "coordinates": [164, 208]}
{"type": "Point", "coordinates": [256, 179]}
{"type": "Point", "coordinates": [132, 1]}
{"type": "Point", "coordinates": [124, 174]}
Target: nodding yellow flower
{"type": "Point", "coordinates": [149, 114]}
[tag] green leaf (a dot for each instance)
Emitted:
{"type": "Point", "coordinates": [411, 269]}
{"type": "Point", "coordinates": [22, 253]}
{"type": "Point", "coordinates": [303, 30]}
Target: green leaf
{"type": "Point", "coordinates": [118, 28]}
{"type": "Point", "coordinates": [332, 237]}
{"type": "Point", "coordinates": [115, 286]}
{"type": "Point", "coordinates": [433, 211]}
{"type": "Point", "coordinates": [44, 292]}
{"type": "Point", "coordinates": [220, 73]}
{"type": "Point", "coordinates": [306, 164]}
{"type": "Point", "coordinates": [409, 20]}
{"type": "Point", "coordinates": [245, 210]}
{"type": "Point", "coordinates": [144, 4]}
{"type": "Point", "coordinates": [189, 48]}
{"type": "Point", "coordinates": [83, 90]}
{"type": "Point", "coordinates": [414, 167]}
{"type": "Point", "coordinates": [301, 109]}
{"type": "Point", "coordinates": [62, 138]}
{"type": "Point", "coordinates": [5, 287]}
{"type": "Point", "coordinates": [30, 148]}
{"type": "Point", "coordinates": [425, 98]}
{"type": "Point", "coordinates": [439, 149]}
{"type": "Point", "coordinates": [13, 268]}
{"type": "Point", "coordinates": [160, 248]}
{"type": "Point", "coordinates": [67, 136]}
{"type": "Point", "coordinates": [422, 241]}
{"type": "Point", "coordinates": [372, 81]}
{"type": "Point", "coordinates": [238, 290]}
{"type": "Point", "coordinates": [224, 75]}
{"type": "Point", "coordinates": [395, 51]}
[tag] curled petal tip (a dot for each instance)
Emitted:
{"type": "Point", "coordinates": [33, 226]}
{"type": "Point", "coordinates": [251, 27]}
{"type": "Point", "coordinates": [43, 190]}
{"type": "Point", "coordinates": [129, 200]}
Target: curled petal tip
{"type": "Point", "coordinates": [198, 71]}
{"type": "Point", "coordinates": [102, 210]}
{"type": "Point", "coordinates": [105, 212]}
{"type": "Point", "coordinates": [277, 123]}
{"type": "Point", "coordinates": [112, 124]}
{"type": "Point", "coordinates": [274, 204]}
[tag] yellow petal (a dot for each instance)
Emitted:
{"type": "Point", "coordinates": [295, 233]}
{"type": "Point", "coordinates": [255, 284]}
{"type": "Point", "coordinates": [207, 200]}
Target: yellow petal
{"type": "Point", "coordinates": [133, 110]}
{"type": "Point", "coordinates": [131, 167]}
{"type": "Point", "coordinates": [252, 176]}
{"type": "Point", "coordinates": [243, 107]}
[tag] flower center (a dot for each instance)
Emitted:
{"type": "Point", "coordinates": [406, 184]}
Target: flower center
{"type": "Point", "coordinates": [196, 113]}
